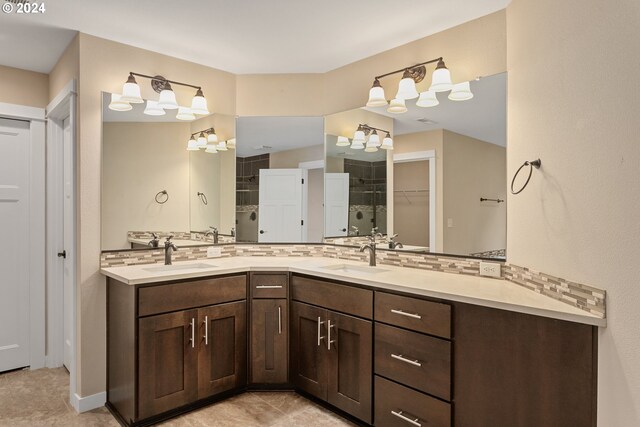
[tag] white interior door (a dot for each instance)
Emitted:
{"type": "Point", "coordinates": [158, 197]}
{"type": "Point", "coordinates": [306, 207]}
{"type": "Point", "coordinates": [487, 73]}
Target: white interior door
{"type": "Point", "coordinates": [14, 253]}
{"type": "Point", "coordinates": [280, 214]}
{"type": "Point", "coordinates": [336, 200]}
{"type": "Point", "coordinates": [68, 235]}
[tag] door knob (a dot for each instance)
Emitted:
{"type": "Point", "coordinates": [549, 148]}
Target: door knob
{"type": "Point", "coordinates": [261, 231]}
{"type": "Point", "coordinates": [344, 229]}
{"type": "Point", "coordinates": [62, 254]}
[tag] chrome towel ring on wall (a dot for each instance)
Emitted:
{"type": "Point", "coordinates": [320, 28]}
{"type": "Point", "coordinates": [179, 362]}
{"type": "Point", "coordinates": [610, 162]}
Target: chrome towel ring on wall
{"type": "Point", "coordinates": [532, 164]}
{"type": "Point", "coordinates": [160, 194]}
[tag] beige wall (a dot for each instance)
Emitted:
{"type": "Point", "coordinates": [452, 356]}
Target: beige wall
{"type": "Point", "coordinates": [411, 211]}
{"type": "Point", "coordinates": [574, 102]}
{"type": "Point", "coordinates": [425, 141]}
{"type": "Point", "coordinates": [66, 69]}
{"type": "Point", "coordinates": [104, 66]}
{"type": "Point", "coordinates": [23, 87]}
{"type": "Point", "coordinates": [292, 158]}
{"type": "Point", "coordinates": [473, 169]}
{"type": "Point", "coordinates": [139, 160]}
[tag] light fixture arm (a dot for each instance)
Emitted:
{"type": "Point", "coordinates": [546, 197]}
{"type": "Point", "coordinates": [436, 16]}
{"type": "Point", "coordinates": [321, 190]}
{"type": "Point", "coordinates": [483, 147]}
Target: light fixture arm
{"type": "Point", "coordinates": [367, 129]}
{"type": "Point", "coordinates": [205, 131]}
{"type": "Point", "coordinates": [162, 79]}
{"type": "Point", "coordinates": [412, 67]}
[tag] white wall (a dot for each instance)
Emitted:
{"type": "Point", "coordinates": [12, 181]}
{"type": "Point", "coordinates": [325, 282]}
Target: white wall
{"type": "Point", "coordinates": [574, 101]}
{"type": "Point", "coordinates": [139, 160]}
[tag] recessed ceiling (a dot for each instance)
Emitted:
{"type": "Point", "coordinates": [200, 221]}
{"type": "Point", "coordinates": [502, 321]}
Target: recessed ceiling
{"type": "Point", "coordinates": [483, 117]}
{"type": "Point", "coordinates": [261, 135]}
{"type": "Point", "coordinates": [244, 37]}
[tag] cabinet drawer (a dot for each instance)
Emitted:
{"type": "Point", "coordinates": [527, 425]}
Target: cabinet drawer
{"type": "Point", "coordinates": [398, 406]}
{"type": "Point", "coordinates": [197, 293]}
{"type": "Point", "coordinates": [345, 299]}
{"type": "Point", "coordinates": [269, 285]}
{"type": "Point", "coordinates": [412, 313]}
{"type": "Point", "coordinates": [417, 360]}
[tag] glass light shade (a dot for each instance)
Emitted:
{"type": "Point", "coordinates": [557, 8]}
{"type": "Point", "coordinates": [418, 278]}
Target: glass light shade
{"type": "Point", "coordinates": [343, 141]}
{"type": "Point", "coordinates": [212, 138]}
{"type": "Point", "coordinates": [167, 100]}
{"type": "Point", "coordinates": [117, 104]}
{"type": "Point", "coordinates": [374, 139]}
{"type": "Point", "coordinates": [212, 149]}
{"type": "Point", "coordinates": [152, 109]}
{"type": "Point", "coordinates": [441, 80]}
{"type": "Point", "coordinates": [184, 113]}
{"type": "Point", "coordinates": [359, 137]}
{"type": "Point", "coordinates": [231, 144]}
{"type": "Point", "coordinates": [407, 89]}
{"type": "Point", "coordinates": [357, 145]}
{"type": "Point", "coordinates": [202, 140]}
{"type": "Point", "coordinates": [371, 148]}
{"type": "Point", "coordinates": [199, 104]}
{"type": "Point", "coordinates": [397, 106]}
{"type": "Point", "coordinates": [192, 145]}
{"type": "Point", "coordinates": [131, 91]}
{"type": "Point", "coordinates": [376, 95]}
{"type": "Point", "coordinates": [222, 146]}
{"type": "Point", "coordinates": [461, 92]}
{"type": "Point", "coordinates": [387, 143]}
{"type": "Point", "coordinates": [427, 99]}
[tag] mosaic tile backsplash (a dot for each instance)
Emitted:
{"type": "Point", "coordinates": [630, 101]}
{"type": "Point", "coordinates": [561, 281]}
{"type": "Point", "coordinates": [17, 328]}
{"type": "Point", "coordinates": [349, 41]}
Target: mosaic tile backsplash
{"type": "Point", "coordinates": [578, 295]}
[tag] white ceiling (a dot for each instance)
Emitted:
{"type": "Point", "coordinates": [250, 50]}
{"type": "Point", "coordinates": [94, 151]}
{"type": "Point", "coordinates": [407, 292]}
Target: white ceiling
{"type": "Point", "coordinates": [261, 135]}
{"type": "Point", "coordinates": [241, 36]}
{"type": "Point", "coordinates": [483, 117]}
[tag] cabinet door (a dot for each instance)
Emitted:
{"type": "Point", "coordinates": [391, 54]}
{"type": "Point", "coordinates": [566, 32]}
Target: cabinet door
{"type": "Point", "coordinates": [167, 362]}
{"type": "Point", "coordinates": [222, 358]}
{"type": "Point", "coordinates": [269, 341]}
{"type": "Point", "coordinates": [308, 349]}
{"type": "Point", "coordinates": [349, 345]}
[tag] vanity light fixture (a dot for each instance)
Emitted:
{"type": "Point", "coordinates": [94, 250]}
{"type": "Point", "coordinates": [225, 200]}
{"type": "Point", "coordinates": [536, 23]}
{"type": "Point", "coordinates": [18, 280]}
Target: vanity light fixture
{"type": "Point", "coordinates": [207, 140]}
{"type": "Point", "coordinates": [167, 99]}
{"type": "Point", "coordinates": [211, 149]}
{"type": "Point", "coordinates": [117, 104]}
{"type": "Point", "coordinates": [343, 141]}
{"type": "Point", "coordinates": [222, 146]}
{"type": "Point", "coordinates": [212, 138]}
{"type": "Point", "coordinates": [387, 142]}
{"type": "Point", "coordinates": [202, 140]}
{"type": "Point", "coordinates": [192, 145]}
{"type": "Point", "coordinates": [231, 144]}
{"type": "Point", "coordinates": [440, 82]}
{"type": "Point", "coordinates": [373, 141]}
{"type": "Point", "coordinates": [153, 109]}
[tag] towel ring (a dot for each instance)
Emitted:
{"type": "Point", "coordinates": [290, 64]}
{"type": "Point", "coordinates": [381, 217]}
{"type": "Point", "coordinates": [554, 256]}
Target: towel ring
{"type": "Point", "coordinates": [532, 164]}
{"type": "Point", "coordinates": [158, 196]}
{"type": "Point", "coordinates": [203, 198]}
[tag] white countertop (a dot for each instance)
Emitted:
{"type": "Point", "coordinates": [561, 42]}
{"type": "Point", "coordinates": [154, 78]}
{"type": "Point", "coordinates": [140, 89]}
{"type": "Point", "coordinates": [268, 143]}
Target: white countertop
{"type": "Point", "coordinates": [482, 291]}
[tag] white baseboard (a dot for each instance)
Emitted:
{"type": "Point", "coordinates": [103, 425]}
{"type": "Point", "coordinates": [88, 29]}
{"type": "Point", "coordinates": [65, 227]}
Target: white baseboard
{"type": "Point", "coordinates": [87, 403]}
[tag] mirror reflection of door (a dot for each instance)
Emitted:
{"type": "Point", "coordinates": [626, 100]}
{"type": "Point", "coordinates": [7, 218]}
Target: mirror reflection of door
{"type": "Point", "coordinates": [336, 199]}
{"type": "Point", "coordinates": [282, 195]}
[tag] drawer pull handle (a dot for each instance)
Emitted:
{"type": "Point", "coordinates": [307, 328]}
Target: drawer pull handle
{"type": "Point", "coordinates": [279, 320]}
{"type": "Point", "coordinates": [404, 313]}
{"type": "Point", "coordinates": [320, 338]}
{"type": "Point", "coordinates": [269, 287]}
{"type": "Point", "coordinates": [405, 360]}
{"type": "Point", "coordinates": [329, 340]}
{"type": "Point", "coordinates": [403, 417]}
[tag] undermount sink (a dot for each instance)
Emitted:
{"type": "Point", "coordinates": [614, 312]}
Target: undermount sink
{"type": "Point", "coordinates": [348, 268]}
{"type": "Point", "coordinates": [175, 267]}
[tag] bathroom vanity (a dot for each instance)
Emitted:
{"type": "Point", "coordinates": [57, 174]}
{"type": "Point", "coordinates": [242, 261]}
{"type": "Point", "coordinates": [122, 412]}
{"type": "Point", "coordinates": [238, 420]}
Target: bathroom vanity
{"type": "Point", "coordinates": [387, 347]}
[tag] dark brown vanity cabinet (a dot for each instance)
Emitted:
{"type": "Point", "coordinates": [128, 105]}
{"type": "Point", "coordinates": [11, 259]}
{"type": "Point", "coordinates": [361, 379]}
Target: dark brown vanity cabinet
{"type": "Point", "coordinates": [331, 351]}
{"type": "Point", "coordinates": [269, 328]}
{"type": "Point", "coordinates": [173, 345]}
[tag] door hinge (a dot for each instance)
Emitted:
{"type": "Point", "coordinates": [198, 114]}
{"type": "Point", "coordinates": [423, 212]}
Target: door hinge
{"type": "Point", "coordinates": [302, 222]}
{"type": "Point", "coordinates": [302, 180]}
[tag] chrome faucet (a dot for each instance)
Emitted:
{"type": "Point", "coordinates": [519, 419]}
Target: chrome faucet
{"type": "Point", "coordinates": [213, 232]}
{"type": "Point", "coordinates": [355, 231]}
{"type": "Point", "coordinates": [372, 249]}
{"type": "Point", "coordinates": [233, 232]}
{"type": "Point", "coordinates": [169, 247]}
{"type": "Point", "coordinates": [393, 244]}
{"type": "Point", "coordinates": [154, 242]}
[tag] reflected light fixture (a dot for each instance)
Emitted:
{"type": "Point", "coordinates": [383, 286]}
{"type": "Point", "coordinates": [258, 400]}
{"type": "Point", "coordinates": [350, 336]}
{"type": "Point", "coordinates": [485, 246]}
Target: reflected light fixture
{"type": "Point", "coordinates": [222, 146]}
{"type": "Point", "coordinates": [117, 104]}
{"type": "Point", "coordinates": [131, 91]}
{"type": "Point", "coordinates": [461, 92]}
{"type": "Point", "coordinates": [192, 145]}
{"type": "Point", "coordinates": [397, 106]}
{"type": "Point", "coordinates": [374, 139]}
{"type": "Point", "coordinates": [202, 140]}
{"type": "Point", "coordinates": [184, 113]}
{"type": "Point", "coordinates": [358, 137]}
{"type": "Point", "coordinates": [153, 109]}
{"type": "Point", "coordinates": [212, 138]}
{"type": "Point", "coordinates": [376, 95]}
{"type": "Point", "coordinates": [343, 141]}
{"type": "Point", "coordinates": [427, 98]}
{"type": "Point", "coordinates": [387, 142]}
{"type": "Point", "coordinates": [231, 144]}
{"type": "Point", "coordinates": [373, 142]}
{"type": "Point", "coordinates": [211, 149]}
{"type": "Point", "coordinates": [357, 145]}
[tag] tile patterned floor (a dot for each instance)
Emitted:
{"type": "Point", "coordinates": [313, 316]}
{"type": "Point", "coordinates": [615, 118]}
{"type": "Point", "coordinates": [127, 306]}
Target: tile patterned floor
{"type": "Point", "coordinates": [40, 399]}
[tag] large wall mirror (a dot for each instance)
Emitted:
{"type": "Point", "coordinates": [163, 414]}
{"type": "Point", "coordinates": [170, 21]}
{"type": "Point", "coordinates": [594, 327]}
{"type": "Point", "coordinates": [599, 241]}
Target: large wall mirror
{"type": "Point", "coordinates": [279, 179]}
{"type": "Point", "coordinates": [443, 186]}
{"type": "Point", "coordinates": [154, 181]}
